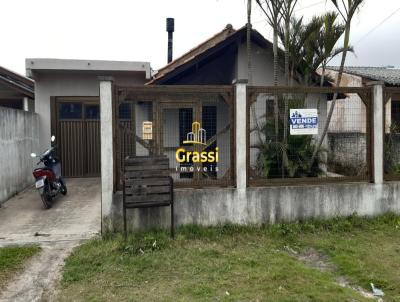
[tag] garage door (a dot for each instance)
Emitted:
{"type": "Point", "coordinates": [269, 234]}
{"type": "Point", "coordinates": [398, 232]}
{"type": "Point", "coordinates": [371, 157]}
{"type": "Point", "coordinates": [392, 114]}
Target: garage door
{"type": "Point", "coordinates": [78, 136]}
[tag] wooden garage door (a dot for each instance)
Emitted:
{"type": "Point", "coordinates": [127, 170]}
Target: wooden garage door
{"type": "Point", "coordinates": [78, 136]}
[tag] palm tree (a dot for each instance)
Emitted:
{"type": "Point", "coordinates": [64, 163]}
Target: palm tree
{"type": "Point", "coordinates": [303, 58]}
{"type": "Point", "coordinates": [249, 66]}
{"type": "Point", "coordinates": [287, 12]}
{"type": "Point", "coordinates": [347, 11]}
{"type": "Point", "coordinates": [248, 42]}
{"type": "Point", "coordinates": [273, 11]}
{"type": "Point", "coordinates": [328, 39]}
{"type": "Point", "coordinates": [295, 44]}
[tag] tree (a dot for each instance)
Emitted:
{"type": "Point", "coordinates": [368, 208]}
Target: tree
{"type": "Point", "coordinates": [347, 11]}
{"type": "Point", "coordinates": [248, 42]}
{"type": "Point", "coordinates": [273, 11]}
{"type": "Point", "coordinates": [330, 34]}
{"type": "Point", "coordinates": [249, 67]}
{"type": "Point", "coordinates": [287, 12]}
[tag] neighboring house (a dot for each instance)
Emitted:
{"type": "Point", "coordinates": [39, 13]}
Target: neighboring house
{"type": "Point", "coordinates": [67, 101]}
{"type": "Point", "coordinates": [350, 114]}
{"type": "Point", "coordinates": [16, 91]}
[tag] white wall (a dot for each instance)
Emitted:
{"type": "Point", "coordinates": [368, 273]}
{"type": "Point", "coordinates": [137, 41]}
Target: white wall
{"type": "Point", "coordinates": [56, 83]}
{"type": "Point", "coordinates": [262, 66]}
{"type": "Point", "coordinates": [142, 114]}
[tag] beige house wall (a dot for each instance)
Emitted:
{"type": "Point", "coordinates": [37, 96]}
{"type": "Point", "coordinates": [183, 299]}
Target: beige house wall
{"type": "Point", "coordinates": [349, 114]}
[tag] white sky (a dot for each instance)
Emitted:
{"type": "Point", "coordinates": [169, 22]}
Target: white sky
{"type": "Point", "coordinates": [134, 30]}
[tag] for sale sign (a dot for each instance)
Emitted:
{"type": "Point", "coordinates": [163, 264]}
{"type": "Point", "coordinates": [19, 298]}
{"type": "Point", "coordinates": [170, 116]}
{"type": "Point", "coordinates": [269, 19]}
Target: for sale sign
{"type": "Point", "coordinates": [303, 121]}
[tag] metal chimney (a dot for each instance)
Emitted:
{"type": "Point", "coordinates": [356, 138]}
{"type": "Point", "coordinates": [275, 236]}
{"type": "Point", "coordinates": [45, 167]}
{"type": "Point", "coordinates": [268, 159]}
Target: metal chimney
{"type": "Point", "coordinates": [170, 30]}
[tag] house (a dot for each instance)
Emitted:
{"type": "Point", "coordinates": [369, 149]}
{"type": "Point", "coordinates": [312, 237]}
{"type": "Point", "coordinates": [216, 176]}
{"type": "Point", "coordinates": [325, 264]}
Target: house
{"type": "Point", "coordinates": [221, 60]}
{"type": "Point", "coordinates": [16, 91]}
{"type": "Point", "coordinates": [349, 114]}
{"type": "Point", "coordinates": [67, 102]}
{"type": "Point", "coordinates": [347, 132]}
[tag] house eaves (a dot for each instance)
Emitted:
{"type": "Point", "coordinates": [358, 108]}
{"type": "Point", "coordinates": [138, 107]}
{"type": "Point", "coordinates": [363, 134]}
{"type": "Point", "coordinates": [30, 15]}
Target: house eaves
{"type": "Point", "coordinates": [41, 64]}
{"type": "Point", "coordinates": [15, 81]}
{"type": "Point", "coordinates": [214, 44]}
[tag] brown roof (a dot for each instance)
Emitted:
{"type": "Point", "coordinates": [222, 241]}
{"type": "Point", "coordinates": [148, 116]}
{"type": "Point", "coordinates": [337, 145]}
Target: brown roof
{"type": "Point", "coordinates": [194, 52]}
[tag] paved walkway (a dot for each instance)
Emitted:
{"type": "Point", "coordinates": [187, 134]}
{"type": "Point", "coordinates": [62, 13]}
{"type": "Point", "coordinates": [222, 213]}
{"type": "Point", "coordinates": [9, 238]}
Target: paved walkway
{"type": "Point", "coordinates": [73, 219]}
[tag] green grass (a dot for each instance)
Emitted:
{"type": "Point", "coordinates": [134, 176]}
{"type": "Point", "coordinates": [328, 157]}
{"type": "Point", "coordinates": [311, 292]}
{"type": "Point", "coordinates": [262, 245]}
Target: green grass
{"type": "Point", "coordinates": [369, 253]}
{"type": "Point", "coordinates": [233, 263]}
{"type": "Point", "coordinates": [12, 259]}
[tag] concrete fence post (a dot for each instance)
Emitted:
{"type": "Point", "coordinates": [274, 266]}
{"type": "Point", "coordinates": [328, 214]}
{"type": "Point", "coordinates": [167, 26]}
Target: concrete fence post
{"type": "Point", "coordinates": [26, 104]}
{"type": "Point", "coordinates": [241, 134]}
{"type": "Point", "coordinates": [377, 131]}
{"type": "Point", "coordinates": [106, 142]}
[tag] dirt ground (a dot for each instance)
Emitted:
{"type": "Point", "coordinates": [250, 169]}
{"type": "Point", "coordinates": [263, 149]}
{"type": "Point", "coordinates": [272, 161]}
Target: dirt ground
{"type": "Point", "coordinates": [73, 219]}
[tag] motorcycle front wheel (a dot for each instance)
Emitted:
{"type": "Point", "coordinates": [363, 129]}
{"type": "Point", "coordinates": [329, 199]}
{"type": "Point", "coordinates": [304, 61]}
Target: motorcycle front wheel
{"type": "Point", "coordinates": [46, 197]}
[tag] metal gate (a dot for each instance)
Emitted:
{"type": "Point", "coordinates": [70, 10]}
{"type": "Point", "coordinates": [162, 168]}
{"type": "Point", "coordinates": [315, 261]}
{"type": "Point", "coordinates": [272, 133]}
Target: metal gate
{"type": "Point", "coordinates": [77, 127]}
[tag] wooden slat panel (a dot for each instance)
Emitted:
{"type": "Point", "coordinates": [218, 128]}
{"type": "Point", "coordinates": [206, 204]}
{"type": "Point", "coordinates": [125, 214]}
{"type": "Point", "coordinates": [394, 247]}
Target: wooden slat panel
{"type": "Point", "coordinates": [145, 167]}
{"type": "Point", "coordinates": [147, 181]}
{"type": "Point", "coordinates": [71, 143]}
{"type": "Point", "coordinates": [145, 160]}
{"type": "Point", "coordinates": [147, 198]}
{"type": "Point", "coordinates": [147, 190]}
{"type": "Point", "coordinates": [136, 174]}
{"type": "Point", "coordinates": [147, 204]}
{"type": "Point", "coordinates": [93, 147]}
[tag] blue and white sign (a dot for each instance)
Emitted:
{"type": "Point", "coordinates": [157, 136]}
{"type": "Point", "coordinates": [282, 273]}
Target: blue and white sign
{"type": "Point", "coordinates": [303, 121]}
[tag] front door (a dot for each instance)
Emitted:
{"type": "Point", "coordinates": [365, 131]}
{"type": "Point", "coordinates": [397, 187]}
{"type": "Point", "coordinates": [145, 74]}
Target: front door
{"type": "Point", "coordinates": [78, 136]}
{"type": "Point", "coordinates": [186, 129]}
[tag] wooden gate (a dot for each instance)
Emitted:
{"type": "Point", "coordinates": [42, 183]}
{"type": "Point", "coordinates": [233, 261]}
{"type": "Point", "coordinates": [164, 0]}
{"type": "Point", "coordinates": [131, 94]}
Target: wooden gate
{"type": "Point", "coordinates": [178, 121]}
{"type": "Point", "coordinates": [76, 122]}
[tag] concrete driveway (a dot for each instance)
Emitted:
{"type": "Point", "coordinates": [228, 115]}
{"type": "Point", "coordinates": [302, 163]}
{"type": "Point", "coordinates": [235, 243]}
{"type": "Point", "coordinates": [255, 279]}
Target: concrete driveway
{"type": "Point", "coordinates": [75, 216]}
{"type": "Point", "coordinates": [73, 219]}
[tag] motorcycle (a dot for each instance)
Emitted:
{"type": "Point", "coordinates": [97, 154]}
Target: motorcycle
{"type": "Point", "coordinates": [48, 180]}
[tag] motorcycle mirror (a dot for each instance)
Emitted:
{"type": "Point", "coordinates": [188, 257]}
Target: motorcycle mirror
{"type": "Point", "coordinates": [53, 138]}
{"type": "Point", "coordinates": [33, 154]}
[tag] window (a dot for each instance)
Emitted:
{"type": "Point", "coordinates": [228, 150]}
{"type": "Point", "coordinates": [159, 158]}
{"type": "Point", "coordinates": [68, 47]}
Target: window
{"type": "Point", "coordinates": [209, 123]}
{"type": "Point", "coordinates": [70, 111]}
{"type": "Point", "coordinates": [396, 114]}
{"type": "Point", "coordinates": [185, 123]}
{"type": "Point", "coordinates": [124, 111]}
{"type": "Point", "coordinates": [92, 112]}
